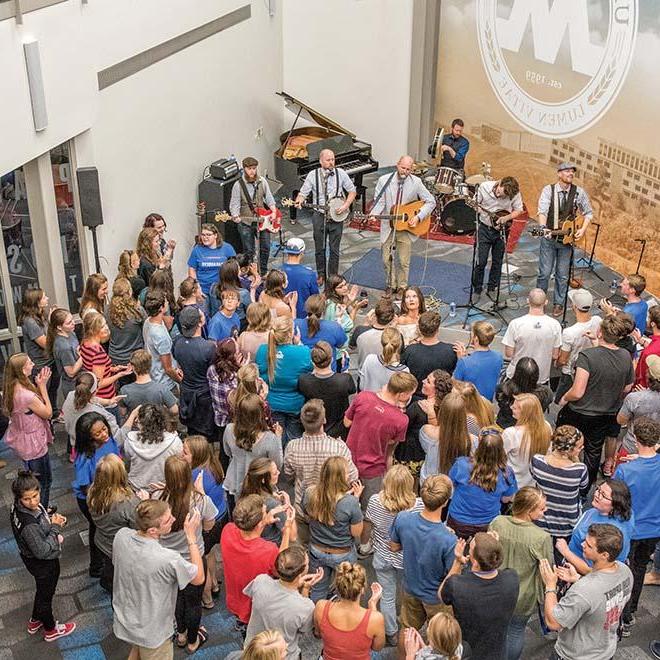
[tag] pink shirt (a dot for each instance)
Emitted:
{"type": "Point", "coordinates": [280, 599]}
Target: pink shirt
{"type": "Point", "coordinates": [28, 434]}
{"type": "Point", "coordinates": [376, 425]}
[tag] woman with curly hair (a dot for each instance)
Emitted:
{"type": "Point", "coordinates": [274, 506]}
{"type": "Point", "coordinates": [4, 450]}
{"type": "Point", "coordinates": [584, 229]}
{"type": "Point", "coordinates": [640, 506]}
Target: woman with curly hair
{"type": "Point", "coordinates": [150, 445]}
{"type": "Point", "coordinates": [246, 438]}
{"type": "Point", "coordinates": [125, 319]}
{"type": "Point", "coordinates": [95, 295]}
{"type": "Point", "coordinates": [273, 296]}
{"type": "Point", "coordinates": [129, 262]}
{"type": "Point", "coordinates": [481, 484]}
{"type": "Point", "coordinates": [148, 249]}
{"type": "Point", "coordinates": [222, 380]}
{"type": "Point", "coordinates": [166, 248]}
{"type": "Point", "coordinates": [185, 497]}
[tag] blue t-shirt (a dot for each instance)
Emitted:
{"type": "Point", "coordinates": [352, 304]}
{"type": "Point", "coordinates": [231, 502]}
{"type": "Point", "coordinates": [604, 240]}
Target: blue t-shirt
{"type": "Point", "coordinates": [643, 478]}
{"type": "Point", "coordinates": [292, 361]}
{"type": "Point", "coordinates": [329, 331]}
{"type": "Point", "coordinates": [593, 517]}
{"type": "Point", "coordinates": [207, 261]}
{"type": "Point", "coordinates": [85, 466]}
{"type": "Point", "coordinates": [222, 327]}
{"type": "Point", "coordinates": [638, 311]}
{"type": "Point", "coordinates": [213, 489]}
{"type": "Point", "coordinates": [428, 553]}
{"type": "Point", "coordinates": [470, 503]}
{"type": "Point", "coordinates": [303, 280]}
{"type": "Point", "coordinates": [482, 369]}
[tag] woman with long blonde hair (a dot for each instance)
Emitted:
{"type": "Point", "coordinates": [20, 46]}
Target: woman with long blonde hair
{"type": "Point", "coordinates": [125, 319]}
{"type": "Point", "coordinates": [281, 362]}
{"type": "Point", "coordinates": [258, 324]}
{"type": "Point", "coordinates": [95, 295]}
{"type": "Point", "coordinates": [481, 484]}
{"type": "Point", "coordinates": [148, 247]}
{"type": "Point", "coordinates": [398, 494]}
{"type": "Point", "coordinates": [111, 503]}
{"type": "Point", "coordinates": [332, 507]}
{"type": "Point", "coordinates": [28, 407]}
{"type": "Point", "coordinates": [184, 497]}
{"type": "Point", "coordinates": [479, 411]}
{"type": "Point", "coordinates": [377, 369]}
{"type": "Point", "coordinates": [446, 441]}
{"type": "Point", "coordinates": [129, 262]}
{"type": "Point", "coordinates": [530, 436]}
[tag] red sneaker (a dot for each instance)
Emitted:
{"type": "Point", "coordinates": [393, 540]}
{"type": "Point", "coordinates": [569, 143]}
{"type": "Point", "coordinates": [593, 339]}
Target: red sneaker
{"type": "Point", "coordinates": [33, 626]}
{"type": "Point", "coordinates": [60, 630]}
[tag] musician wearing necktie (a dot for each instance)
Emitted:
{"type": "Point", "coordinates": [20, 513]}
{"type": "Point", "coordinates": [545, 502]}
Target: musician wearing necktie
{"type": "Point", "coordinates": [325, 183]}
{"type": "Point", "coordinates": [558, 202]}
{"type": "Point", "coordinates": [399, 188]}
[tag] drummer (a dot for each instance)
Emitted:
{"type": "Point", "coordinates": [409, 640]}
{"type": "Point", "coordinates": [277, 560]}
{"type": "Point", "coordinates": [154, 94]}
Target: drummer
{"type": "Point", "coordinates": [454, 147]}
{"type": "Point", "coordinates": [493, 196]}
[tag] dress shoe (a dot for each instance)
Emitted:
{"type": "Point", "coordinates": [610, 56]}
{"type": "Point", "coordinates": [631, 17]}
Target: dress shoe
{"type": "Point", "coordinates": [557, 310]}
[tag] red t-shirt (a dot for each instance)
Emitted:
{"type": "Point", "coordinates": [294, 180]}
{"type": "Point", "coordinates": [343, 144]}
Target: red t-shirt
{"type": "Point", "coordinates": [376, 425]}
{"type": "Point", "coordinates": [243, 561]}
{"type": "Point", "coordinates": [642, 371]}
{"type": "Point", "coordinates": [94, 355]}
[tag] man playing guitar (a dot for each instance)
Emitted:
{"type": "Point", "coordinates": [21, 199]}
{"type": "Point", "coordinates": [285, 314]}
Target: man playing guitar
{"type": "Point", "coordinates": [499, 203]}
{"type": "Point", "coordinates": [559, 202]}
{"type": "Point", "coordinates": [397, 189]}
{"type": "Point", "coordinates": [242, 213]}
{"type": "Point", "coordinates": [325, 183]}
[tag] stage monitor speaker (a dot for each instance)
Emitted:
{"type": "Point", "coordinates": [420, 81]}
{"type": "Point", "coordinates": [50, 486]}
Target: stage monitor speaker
{"type": "Point", "coordinates": [216, 195]}
{"type": "Point", "coordinates": [90, 196]}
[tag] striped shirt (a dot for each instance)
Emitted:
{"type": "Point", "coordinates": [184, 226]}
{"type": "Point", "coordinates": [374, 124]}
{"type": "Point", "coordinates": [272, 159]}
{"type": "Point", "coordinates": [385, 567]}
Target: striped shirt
{"type": "Point", "coordinates": [304, 458]}
{"type": "Point", "coordinates": [382, 520]}
{"type": "Point", "coordinates": [562, 487]}
{"type": "Point", "coordinates": [94, 355]}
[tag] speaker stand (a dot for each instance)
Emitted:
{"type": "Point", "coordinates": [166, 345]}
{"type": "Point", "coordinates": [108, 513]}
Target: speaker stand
{"type": "Point", "coordinates": [96, 249]}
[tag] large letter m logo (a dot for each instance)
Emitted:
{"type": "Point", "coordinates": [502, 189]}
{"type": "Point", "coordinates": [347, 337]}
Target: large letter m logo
{"type": "Point", "coordinates": [549, 24]}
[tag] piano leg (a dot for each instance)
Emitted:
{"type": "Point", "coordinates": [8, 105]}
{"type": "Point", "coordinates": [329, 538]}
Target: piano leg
{"type": "Point", "coordinates": [361, 191]}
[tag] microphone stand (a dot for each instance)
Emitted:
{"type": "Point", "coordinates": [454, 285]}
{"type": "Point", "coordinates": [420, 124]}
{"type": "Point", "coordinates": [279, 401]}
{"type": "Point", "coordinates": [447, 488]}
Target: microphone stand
{"type": "Point", "coordinates": [641, 254]}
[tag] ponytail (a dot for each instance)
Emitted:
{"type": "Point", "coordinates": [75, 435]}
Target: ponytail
{"type": "Point", "coordinates": [281, 333]}
{"type": "Point", "coordinates": [272, 355]}
{"type": "Point", "coordinates": [315, 308]}
{"type": "Point", "coordinates": [86, 384]}
{"type": "Point", "coordinates": [392, 343]}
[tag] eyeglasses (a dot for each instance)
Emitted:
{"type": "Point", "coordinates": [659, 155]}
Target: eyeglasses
{"type": "Point", "coordinates": [207, 234]}
{"type": "Point", "coordinates": [601, 494]}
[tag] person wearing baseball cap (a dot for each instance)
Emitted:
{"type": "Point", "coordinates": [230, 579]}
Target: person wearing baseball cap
{"type": "Point", "coordinates": [576, 337]}
{"type": "Point", "coordinates": [559, 202]}
{"type": "Point", "coordinates": [300, 278]}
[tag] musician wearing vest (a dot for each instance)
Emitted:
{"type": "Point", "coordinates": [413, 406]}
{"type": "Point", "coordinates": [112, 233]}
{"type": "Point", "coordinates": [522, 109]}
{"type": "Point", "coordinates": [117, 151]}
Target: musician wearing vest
{"type": "Point", "coordinates": [454, 147]}
{"type": "Point", "coordinates": [559, 202]}
{"type": "Point", "coordinates": [494, 198]}
{"type": "Point", "coordinates": [250, 192]}
{"type": "Point", "coordinates": [397, 189]}
{"type": "Point", "coordinates": [325, 183]}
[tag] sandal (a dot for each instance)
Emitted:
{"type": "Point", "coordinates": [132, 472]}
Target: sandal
{"type": "Point", "coordinates": [202, 638]}
{"type": "Point", "coordinates": [177, 642]}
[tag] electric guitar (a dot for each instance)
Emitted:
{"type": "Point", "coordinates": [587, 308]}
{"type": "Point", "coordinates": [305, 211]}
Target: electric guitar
{"type": "Point", "coordinates": [333, 205]}
{"type": "Point", "coordinates": [568, 229]}
{"type": "Point", "coordinates": [263, 218]}
{"type": "Point", "coordinates": [399, 217]}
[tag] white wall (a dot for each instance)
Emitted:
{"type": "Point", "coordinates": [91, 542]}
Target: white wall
{"type": "Point", "coordinates": [350, 60]}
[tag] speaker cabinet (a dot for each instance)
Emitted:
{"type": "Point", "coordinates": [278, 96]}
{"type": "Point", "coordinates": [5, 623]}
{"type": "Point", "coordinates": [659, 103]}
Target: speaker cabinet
{"type": "Point", "coordinates": [90, 196]}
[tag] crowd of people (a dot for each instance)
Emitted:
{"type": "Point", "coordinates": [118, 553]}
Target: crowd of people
{"type": "Point", "coordinates": [257, 437]}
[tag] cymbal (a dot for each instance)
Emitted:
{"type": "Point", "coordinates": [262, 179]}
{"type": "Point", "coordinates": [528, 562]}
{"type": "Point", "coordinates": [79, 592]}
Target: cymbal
{"type": "Point", "coordinates": [475, 179]}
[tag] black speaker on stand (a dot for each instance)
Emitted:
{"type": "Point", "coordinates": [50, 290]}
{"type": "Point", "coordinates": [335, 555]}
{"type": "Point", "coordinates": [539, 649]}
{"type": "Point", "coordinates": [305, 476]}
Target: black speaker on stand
{"type": "Point", "coordinates": [90, 205]}
{"type": "Point", "coordinates": [216, 195]}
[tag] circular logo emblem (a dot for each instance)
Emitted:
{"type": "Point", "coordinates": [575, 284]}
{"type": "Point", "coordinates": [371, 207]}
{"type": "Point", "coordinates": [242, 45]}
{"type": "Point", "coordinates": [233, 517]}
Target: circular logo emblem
{"type": "Point", "coordinates": [556, 70]}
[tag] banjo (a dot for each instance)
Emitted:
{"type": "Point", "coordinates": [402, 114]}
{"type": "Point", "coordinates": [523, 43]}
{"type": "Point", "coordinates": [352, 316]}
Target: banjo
{"type": "Point", "coordinates": [333, 204]}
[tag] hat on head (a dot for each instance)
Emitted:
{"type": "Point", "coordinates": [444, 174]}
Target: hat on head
{"type": "Point", "coordinates": [653, 366]}
{"type": "Point", "coordinates": [189, 318]}
{"type": "Point", "coordinates": [566, 166]}
{"type": "Point", "coordinates": [295, 246]}
{"type": "Point", "coordinates": [582, 299]}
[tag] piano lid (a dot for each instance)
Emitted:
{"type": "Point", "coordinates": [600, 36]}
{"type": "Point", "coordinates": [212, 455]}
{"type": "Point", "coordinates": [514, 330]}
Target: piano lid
{"type": "Point", "coordinates": [296, 106]}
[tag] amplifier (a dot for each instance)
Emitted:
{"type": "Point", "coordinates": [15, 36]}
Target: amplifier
{"type": "Point", "coordinates": [223, 169]}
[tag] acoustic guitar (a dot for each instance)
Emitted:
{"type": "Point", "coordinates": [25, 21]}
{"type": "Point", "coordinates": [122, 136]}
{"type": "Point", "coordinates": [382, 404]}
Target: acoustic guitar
{"type": "Point", "coordinates": [568, 229]}
{"type": "Point", "coordinates": [399, 217]}
{"type": "Point", "coordinates": [333, 205]}
{"type": "Point", "coordinates": [263, 218]}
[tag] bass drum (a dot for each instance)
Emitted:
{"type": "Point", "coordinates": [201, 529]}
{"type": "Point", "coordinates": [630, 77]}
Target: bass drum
{"type": "Point", "coordinates": [457, 218]}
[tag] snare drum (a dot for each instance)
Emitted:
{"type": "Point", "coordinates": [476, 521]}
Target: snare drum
{"type": "Point", "coordinates": [447, 179]}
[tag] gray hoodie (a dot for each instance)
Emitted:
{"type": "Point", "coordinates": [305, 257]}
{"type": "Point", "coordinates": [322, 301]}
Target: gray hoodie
{"type": "Point", "coordinates": [148, 460]}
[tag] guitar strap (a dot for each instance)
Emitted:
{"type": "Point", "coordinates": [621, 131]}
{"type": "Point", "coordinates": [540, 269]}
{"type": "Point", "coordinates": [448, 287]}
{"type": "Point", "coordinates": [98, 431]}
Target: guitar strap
{"type": "Point", "coordinates": [248, 199]}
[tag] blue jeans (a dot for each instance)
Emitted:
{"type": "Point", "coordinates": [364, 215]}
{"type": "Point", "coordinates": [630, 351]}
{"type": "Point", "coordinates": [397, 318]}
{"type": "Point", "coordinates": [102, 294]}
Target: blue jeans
{"type": "Point", "coordinates": [515, 636]}
{"type": "Point", "coordinates": [291, 425]}
{"type": "Point", "coordinates": [328, 562]}
{"type": "Point", "coordinates": [557, 256]}
{"type": "Point", "coordinates": [388, 577]}
{"type": "Point", "coordinates": [248, 235]}
{"type": "Point", "coordinates": [41, 469]}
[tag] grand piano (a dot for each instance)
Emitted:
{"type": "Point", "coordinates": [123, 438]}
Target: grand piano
{"type": "Point", "coordinates": [301, 146]}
